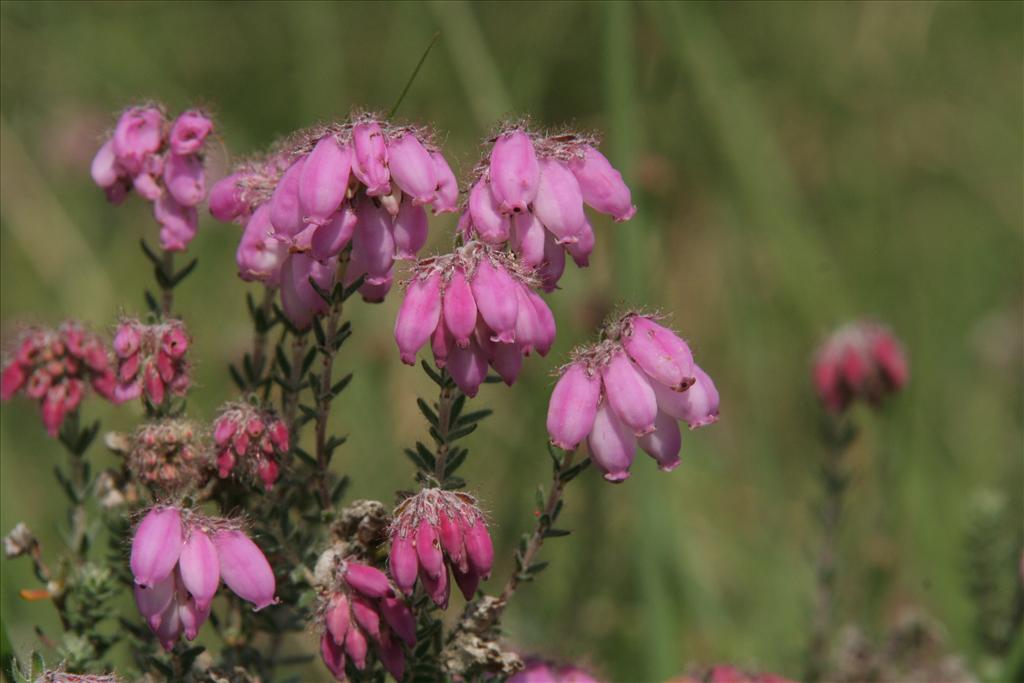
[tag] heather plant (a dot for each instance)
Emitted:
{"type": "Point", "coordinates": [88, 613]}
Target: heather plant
{"type": "Point", "coordinates": [252, 497]}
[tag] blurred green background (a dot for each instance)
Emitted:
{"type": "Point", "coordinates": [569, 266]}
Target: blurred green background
{"type": "Point", "coordinates": [795, 165]}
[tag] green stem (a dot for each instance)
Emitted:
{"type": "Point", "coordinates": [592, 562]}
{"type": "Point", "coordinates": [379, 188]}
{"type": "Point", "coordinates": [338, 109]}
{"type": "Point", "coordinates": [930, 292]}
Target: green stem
{"type": "Point", "coordinates": [167, 291]}
{"type": "Point", "coordinates": [444, 413]}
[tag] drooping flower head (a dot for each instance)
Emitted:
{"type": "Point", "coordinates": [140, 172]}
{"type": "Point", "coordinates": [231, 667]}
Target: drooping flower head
{"type": "Point", "coordinates": [250, 442]}
{"type": "Point", "coordinates": [436, 531]}
{"type": "Point", "coordinates": [861, 361]}
{"type": "Point", "coordinates": [178, 559]}
{"type": "Point", "coordinates": [358, 610]}
{"type": "Point", "coordinates": [163, 162]}
{"type": "Point", "coordinates": [56, 368]}
{"type": "Point", "coordinates": [169, 456]}
{"type": "Point", "coordinates": [364, 182]}
{"type": "Point", "coordinates": [630, 388]}
{"type": "Point", "coordinates": [476, 306]}
{"type": "Point", "coordinates": [530, 190]}
{"type": "Point", "coordinates": [151, 360]}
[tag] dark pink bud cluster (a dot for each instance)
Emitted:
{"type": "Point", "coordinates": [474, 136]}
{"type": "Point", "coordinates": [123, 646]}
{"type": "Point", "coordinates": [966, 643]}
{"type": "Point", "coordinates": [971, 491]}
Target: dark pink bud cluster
{"type": "Point", "coordinates": [540, 671]}
{"type": "Point", "coordinates": [179, 558]}
{"type": "Point", "coordinates": [363, 183]}
{"type": "Point", "coordinates": [476, 306]}
{"type": "Point", "coordinates": [359, 610]}
{"type": "Point", "coordinates": [250, 440]}
{"type": "Point", "coordinates": [167, 456]}
{"type": "Point", "coordinates": [862, 360]}
{"type": "Point", "coordinates": [438, 530]}
{"type": "Point", "coordinates": [631, 388]}
{"type": "Point", "coordinates": [151, 360]}
{"type": "Point", "coordinates": [55, 368]}
{"type": "Point", "coordinates": [530, 194]}
{"type": "Point", "coordinates": [163, 163]}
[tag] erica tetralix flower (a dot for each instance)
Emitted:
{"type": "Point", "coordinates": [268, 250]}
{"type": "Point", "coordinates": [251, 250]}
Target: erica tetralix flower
{"type": "Point", "coordinates": [530, 192]}
{"type": "Point", "coordinates": [476, 306]}
{"type": "Point", "coordinates": [437, 530]}
{"type": "Point", "coordinates": [163, 163]}
{"type": "Point", "coordinates": [178, 559]}
{"type": "Point", "coordinates": [250, 441]}
{"type": "Point", "coordinates": [151, 360]}
{"type": "Point", "coordinates": [630, 388]}
{"type": "Point", "coordinates": [362, 183]}
{"type": "Point", "coordinates": [56, 368]}
{"type": "Point", "coordinates": [861, 361]}
{"type": "Point", "coordinates": [359, 610]}
{"type": "Point", "coordinates": [168, 456]}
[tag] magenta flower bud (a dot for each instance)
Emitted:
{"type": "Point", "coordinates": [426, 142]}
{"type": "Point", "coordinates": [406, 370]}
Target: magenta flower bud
{"type": "Point", "coordinates": [479, 548]}
{"type": "Point", "coordinates": [370, 158]}
{"type": "Point", "coordinates": [545, 332]}
{"type": "Point", "coordinates": [450, 534]}
{"type": "Point", "coordinates": [460, 310]}
{"type": "Point", "coordinates": [178, 223]}
{"type": "Point", "coordinates": [366, 616]}
{"type": "Point", "coordinates": [53, 411]}
{"type": "Point", "coordinates": [508, 361]}
{"type": "Point", "coordinates": [170, 626]}
{"type": "Point", "coordinates": [468, 581]}
{"type": "Point", "coordinates": [245, 569]}
{"type": "Point", "coordinates": [126, 341]}
{"type": "Point", "coordinates": [494, 291]}
{"type": "Point", "coordinates": [392, 657]}
{"type": "Point", "coordinates": [559, 205]}
{"type": "Point", "coordinates": [200, 568]}
{"type": "Point", "coordinates": [528, 238]}
{"type": "Point", "coordinates": [374, 292]}
{"type": "Point", "coordinates": [491, 225]}
{"type": "Point", "coordinates": [154, 385]}
{"type": "Point", "coordinates": [333, 655]}
{"type": "Point", "coordinates": [174, 342]}
{"type": "Point", "coordinates": [153, 601]}
{"type": "Point", "coordinates": [514, 171]}
{"type": "Point", "coordinates": [446, 199]}
{"type": "Point", "coordinates": [629, 394]}
{"type": "Point", "coordinates": [156, 546]}
{"type": "Point", "coordinates": [147, 186]}
{"type": "Point", "coordinates": [580, 250]}
{"type": "Point", "coordinates": [409, 229]}
{"type": "Point", "coordinates": [299, 300]}
{"type": "Point", "coordinates": [602, 186]}
{"type": "Point", "coordinates": [551, 270]}
{"type": "Point", "coordinates": [418, 317]}
{"type": "Point", "coordinates": [285, 209]}
{"type": "Point", "coordinates": [659, 352]}
{"type": "Point", "coordinates": [368, 580]}
{"type": "Point", "coordinates": [664, 442]}
{"type": "Point", "coordinates": [612, 444]}
{"type": "Point", "coordinates": [428, 549]}
{"type": "Point", "coordinates": [260, 256]}
{"type": "Point", "coordinates": [337, 618]}
{"type": "Point", "coordinates": [226, 198]}
{"type": "Point", "coordinates": [104, 169]}
{"type": "Point", "coordinates": [441, 344]}
{"type": "Point", "coordinates": [468, 368]}
{"type": "Point", "coordinates": [323, 181]}
{"type": "Point", "coordinates": [11, 381]}
{"type": "Point", "coordinates": [438, 588]}
{"type": "Point", "coordinates": [139, 133]}
{"type": "Point", "coordinates": [189, 132]}
{"type": "Point", "coordinates": [192, 617]}
{"type": "Point", "coordinates": [223, 430]}
{"type": "Point", "coordinates": [331, 238]}
{"type": "Point", "coordinates": [889, 357]}
{"type": "Point", "coordinates": [399, 617]}
{"type": "Point", "coordinates": [700, 407]}
{"type": "Point", "coordinates": [356, 647]}
{"type": "Point", "coordinates": [573, 406]}
{"type": "Point", "coordinates": [373, 242]}
{"type": "Point", "coordinates": [185, 179]}
{"type": "Point", "coordinates": [412, 168]}
{"type": "Point", "coordinates": [403, 563]}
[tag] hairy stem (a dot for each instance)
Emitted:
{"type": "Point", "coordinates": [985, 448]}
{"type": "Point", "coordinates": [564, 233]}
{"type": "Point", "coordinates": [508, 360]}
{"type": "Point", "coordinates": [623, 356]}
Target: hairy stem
{"type": "Point", "coordinates": [259, 338]}
{"type": "Point", "coordinates": [444, 413]}
{"type": "Point", "coordinates": [324, 395]}
{"type": "Point", "coordinates": [290, 396]}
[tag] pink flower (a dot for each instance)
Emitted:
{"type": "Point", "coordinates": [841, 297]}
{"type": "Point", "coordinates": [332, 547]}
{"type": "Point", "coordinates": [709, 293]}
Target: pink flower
{"type": "Point", "coordinates": [630, 389]}
{"type": "Point", "coordinates": [299, 300]}
{"type": "Point", "coordinates": [411, 167]}
{"type": "Point", "coordinates": [514, 171]}
{"type": "Point", "coordinates": [260, 255]}
{"type": "Point", "coordinates": [861, 361]}
{"type": "Point", "coordinates": [139, 133]}
{"type": "Point", "coordinates": [601, 185]}
{"type": "Point", "coordinates": [189, 132]}
{"type": "Point", "coordinates": [323, 181]}
{"type": "Point", "coordinates": [436, 531]}
{"type": "Point", "coordinates": [244, 568]}
{"type": "Point", "coordinates": [370, 161]}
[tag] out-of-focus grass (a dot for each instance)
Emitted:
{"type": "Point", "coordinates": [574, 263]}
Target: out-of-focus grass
{"type": "Point", "coordinates": [794, 164]}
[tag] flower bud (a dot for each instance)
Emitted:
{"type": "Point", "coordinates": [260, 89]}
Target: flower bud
{"type": "Point", "coordinates": [573, 406]}
{"type": "Point", "coordinates": [468, 368]}
{"type": "Point", "coordinates": [438, 588]}
{"type": "Point", "coordinates": [507, 361]}
{"type": "Point", "coordinates": [178, 223]}
{"type": "Point", "coordinates": [460, 311]}
{"type": "Point", "coordinates": [370, 158]}
{"type": "Point", "coordinates": [602, 186]}
{"type": "Point", "coordinates": [299, 300]}
{"type": "Point", "coordinates": [495, 296]}
{"type": "Point", "coordinates": [323, 180]}
{"type": "Point", "coordinates": [127, 340]}
{"type": "Point", "coordinates": [356, 647]}
{"type": "Point", "coordinates": [701, 404]}
{"type": "Point", "coordinates": [559, 205]}
{"type": "Point", "coordinates": [333, 656]}
{"type": "Point", "coordinates": [392, 657]}
{"type": "Point", "coordinates": [545, 332]}
{"type": "Point", "coordinates": [260, 256]}
{"type": "Point", "coordinates": [189, 132]}
{"type": "Point", "coordinates": [154, 600]}
{"type": "Point", "coordinates": [418, 317]}
{"type": "Point", "coordinates": [514, 172]}
{"type": "Point", "coordinates": [156, 546]}
{"type": "Point", "coordinates": [659, 352]}
{"type": "Point", "coordinates": [226, 198]}
{"type": "Point", "coordinates": [468, 581]}
{"type": "Point", "coordinates": [412, 168]}
{"type": "Point", "coordinates": [104, 169]}
{"type": "Point", "coordinates": [285, 209]}
{"type": "Point", "coordinates": [244, 568]}
{"type": "Point", "coordinates": [528, 238]}
{"type": "Point", "coordinates": [630, 394]}
{"type": "Point", "coordinates": [491, 225]}
{"type": "Point", "coordinates": [446, 198]}
{"type": "Point", "coordinates": [428, 549]}
{"type": "Point", "coordinates": [664, 442]}
{"type": "Point", "coordinates": [373, 242]}
{"type": "Point", "coordinates": [580, 250]}
{"type": "Point", "coordinates": [200, 568]}
{"type": "Point", "coordinates": [479, 548]}
{"type": "Point", "coordinates": [612, 444]}
{"type": "Point", "coordinates": [399, 617]}
{"type": "Point", "coordinates": [337, 618]}
{"type": "Point", "coordinates": [366, 617]}
{"type": "Point", "coordinates": [441, 343]}
{"type": "Point", "coordinates": [138, 134]}
{"type": "Point", "coordinates": [404, 564]}
{"type": "Point", "coordinates": [192, 617]}
{"type": "Point", "coordinates": [368, 580]}
{"type": "Point", "coordinates": [409, 229]}
{"type": "Point", "coordinates": [551, 269]}
{"type": "Point", "coordinates": [185, 179]}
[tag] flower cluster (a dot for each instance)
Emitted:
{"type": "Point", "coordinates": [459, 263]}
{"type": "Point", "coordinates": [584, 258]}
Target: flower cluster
{"type": "Point", "coordinates": [862, 360]}
{"type": "Point", "coordinates": [530, 194]}
{"type": "Point", "coordinates": [359, 609]}
{"type": "Point", "coordinates": [151, 358]}
{"type": "Point", "coordinates": [250, 440]}
{"type": "Point", "coordinates": [178, 559]}
{"type": "Point", "coordinates": [630, 388]}
{"type": "Point", "coordinates": [475, 306]}
{"type": "Point", "coordinates": [163, 163]}
{"type": "Point", "coordinates": [56, 367]}
{"type": "Point", "coordinates": [167, 456]}
{"type": "Point", "coordinates": [540, 671]}
{"type": "Point", "coordinates": [364, 183]}
{"type": "Point", "coordinates": [437, 530]}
